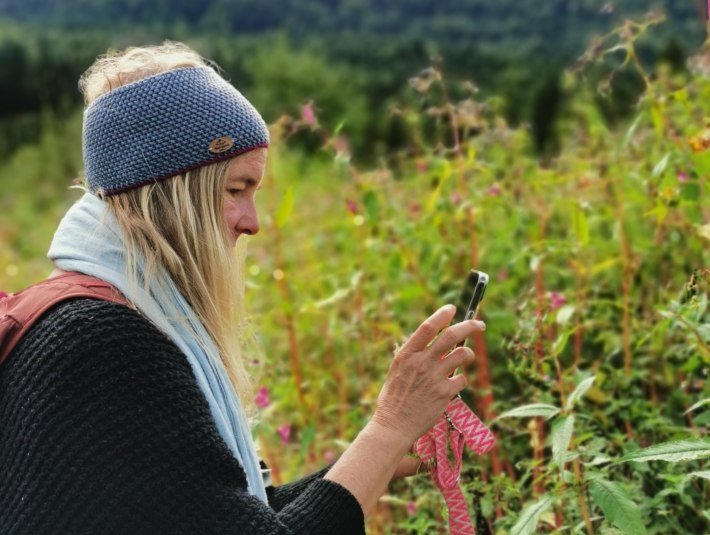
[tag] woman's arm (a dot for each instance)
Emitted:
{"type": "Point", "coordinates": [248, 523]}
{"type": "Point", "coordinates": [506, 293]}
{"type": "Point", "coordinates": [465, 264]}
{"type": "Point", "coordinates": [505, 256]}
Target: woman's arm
{"type": "Point", "coordinates": [105, 430]}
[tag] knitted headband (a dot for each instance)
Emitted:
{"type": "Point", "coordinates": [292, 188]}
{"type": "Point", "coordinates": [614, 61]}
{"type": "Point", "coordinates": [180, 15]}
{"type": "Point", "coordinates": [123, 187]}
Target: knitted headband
{"type": "Point", "coordinates": [165, 125]}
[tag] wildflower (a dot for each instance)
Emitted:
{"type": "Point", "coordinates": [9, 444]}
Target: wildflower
{"type": "Point", "coordinates": [494, 190]}
{"type": "Point", "coordinates": [284, 432]}
{"type": "Point", "coordinates": [352, 206]}
{"type": "Point", "coordinates": [415, 209]}
{"type": "Point", "coordinates": [455, 198]}
{"type": "Point", "coordinates": [411, 507]}
{"type": "Point", "coordinates": [700, 143]}
{"type": "Point", "coordinates": [557, 300]}
{"type": "Point", "coordinates": [262, 398]}
{"type": "Point", "coordinates": [341, 146]}
{"type": "Point", "coordinates": [329, 456]}
{"type": "Point", "coordinates": [308, 116]}
{"type": "Point", "coordinates": [683, 177]}
{"type": "Point", "coordinates": [421, 165]}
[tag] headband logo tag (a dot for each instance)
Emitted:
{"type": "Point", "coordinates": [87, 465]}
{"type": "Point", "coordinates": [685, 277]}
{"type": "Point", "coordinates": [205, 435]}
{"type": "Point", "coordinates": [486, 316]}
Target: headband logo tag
{"type": "Point", "coordinates": [221, 144]}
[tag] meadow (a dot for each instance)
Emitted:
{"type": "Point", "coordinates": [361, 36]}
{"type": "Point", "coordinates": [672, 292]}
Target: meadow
{"type": "Point", "coordinates": [592, 371]}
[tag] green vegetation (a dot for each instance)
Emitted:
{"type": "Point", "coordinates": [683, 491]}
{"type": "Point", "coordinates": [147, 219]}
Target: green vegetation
{"type": "Point", "coordinates": [593, 368]}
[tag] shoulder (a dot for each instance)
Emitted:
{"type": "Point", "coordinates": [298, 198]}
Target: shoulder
{"type": "Point", "coordinates": [88, 328]}
{"type": "Point", "coordinates": [98, 342]}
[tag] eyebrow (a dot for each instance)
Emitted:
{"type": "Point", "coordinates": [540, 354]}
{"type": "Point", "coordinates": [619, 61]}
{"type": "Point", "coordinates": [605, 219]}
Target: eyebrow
{"type": "Point", "coordinates": [249, 181]}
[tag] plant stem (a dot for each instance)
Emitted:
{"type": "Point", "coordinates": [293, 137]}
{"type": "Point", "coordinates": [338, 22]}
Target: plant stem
{"type": "Point", "coordinates": [284, 292]}
{"type": "Point", "coordinates": [577, 467]}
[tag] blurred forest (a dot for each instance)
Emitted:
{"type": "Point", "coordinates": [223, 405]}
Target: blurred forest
{"type": "Point", "coordinates": [351, 57]}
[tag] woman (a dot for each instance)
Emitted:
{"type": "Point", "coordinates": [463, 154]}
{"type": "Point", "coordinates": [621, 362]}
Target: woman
{"type": "Point", "coordinates": [130, 419]}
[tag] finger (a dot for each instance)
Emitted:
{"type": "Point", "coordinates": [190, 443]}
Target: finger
{"type": "Point", "coordinates": [456, 384]}
{"type": "Point", "coordinates": [457, 358]}
{"type": "Point", "coordinates": [455, 334]}
{"type": "Point", "coordinates": [426, 332]}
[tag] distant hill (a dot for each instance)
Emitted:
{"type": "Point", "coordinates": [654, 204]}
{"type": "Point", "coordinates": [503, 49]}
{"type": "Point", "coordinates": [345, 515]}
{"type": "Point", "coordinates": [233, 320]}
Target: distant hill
{"type": "Point", "coordinates": [512, 48]}
{"type": "Point", "coordinates": [560, 26]}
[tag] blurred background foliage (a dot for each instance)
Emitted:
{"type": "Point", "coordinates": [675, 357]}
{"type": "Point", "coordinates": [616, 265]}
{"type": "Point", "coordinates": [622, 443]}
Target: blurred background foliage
{"type": "Point", "coordinates": [560, 146]}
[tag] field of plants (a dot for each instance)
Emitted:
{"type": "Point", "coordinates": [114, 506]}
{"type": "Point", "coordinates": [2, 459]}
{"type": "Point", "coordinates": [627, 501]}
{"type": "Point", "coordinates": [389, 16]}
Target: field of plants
{"type": "Point", "coordinates": [593, 369]}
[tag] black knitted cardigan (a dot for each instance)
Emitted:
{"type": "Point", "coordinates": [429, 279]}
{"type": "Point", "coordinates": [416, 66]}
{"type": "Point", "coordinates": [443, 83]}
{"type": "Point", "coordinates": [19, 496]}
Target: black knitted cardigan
{"type": "Point", "coordinates": [104, 430]}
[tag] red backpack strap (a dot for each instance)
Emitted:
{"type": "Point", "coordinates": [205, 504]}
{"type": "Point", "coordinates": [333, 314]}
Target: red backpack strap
{"type": "Point", "coordinates": [20, 311]}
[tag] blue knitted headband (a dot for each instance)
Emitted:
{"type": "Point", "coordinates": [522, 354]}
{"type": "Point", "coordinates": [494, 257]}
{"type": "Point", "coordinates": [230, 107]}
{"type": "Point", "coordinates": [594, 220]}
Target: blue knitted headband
{"type": "Point", "coordinates": [165, 125]}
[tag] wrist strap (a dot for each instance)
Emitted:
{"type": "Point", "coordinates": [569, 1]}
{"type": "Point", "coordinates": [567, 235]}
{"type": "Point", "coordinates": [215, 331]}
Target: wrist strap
{"type": "Point", "coordinates": [457, 427]}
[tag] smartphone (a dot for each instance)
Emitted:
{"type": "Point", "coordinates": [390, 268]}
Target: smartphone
{"type": "Point", "coordinates": [471, 295]}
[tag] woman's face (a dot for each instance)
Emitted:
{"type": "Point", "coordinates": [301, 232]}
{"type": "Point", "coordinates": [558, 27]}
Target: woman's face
{"type": "Point", "coordinates": [244, 176]}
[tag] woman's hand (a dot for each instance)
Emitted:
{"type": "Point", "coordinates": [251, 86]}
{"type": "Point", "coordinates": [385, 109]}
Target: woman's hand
{"type": "Point", "coordinates": [415, 394]}
{"type": "Point", "coordinates": [408, 466]}
{"type": "Point", "coordinates": [419, 383]}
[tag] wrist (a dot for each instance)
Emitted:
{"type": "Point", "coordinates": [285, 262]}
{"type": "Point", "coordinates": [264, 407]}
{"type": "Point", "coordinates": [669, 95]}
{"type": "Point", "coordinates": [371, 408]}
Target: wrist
{"type": "Point", "coordinates": [387, 437]}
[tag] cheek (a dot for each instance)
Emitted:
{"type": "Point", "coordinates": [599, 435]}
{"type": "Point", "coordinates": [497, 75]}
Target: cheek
{"type": "Point", "coordinates": [231, 213]}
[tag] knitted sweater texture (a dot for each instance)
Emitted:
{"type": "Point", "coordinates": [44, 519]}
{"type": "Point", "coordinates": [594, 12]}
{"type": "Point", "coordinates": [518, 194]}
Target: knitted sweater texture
{"type": "Point", "coordinates": [104, 430]}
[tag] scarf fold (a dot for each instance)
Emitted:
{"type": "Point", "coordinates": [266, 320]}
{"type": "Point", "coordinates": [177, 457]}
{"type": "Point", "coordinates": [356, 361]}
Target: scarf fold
{"type": "Point", "coordinates": [89, 240]}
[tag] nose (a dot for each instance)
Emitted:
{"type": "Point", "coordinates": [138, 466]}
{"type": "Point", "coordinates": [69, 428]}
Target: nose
{"type": "Point", "coordinates": [249, 222]}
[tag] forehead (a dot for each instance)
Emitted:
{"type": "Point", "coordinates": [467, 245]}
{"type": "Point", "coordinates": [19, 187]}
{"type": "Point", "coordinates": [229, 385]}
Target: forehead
{"type": "Point", "coordinates": [248, 165]}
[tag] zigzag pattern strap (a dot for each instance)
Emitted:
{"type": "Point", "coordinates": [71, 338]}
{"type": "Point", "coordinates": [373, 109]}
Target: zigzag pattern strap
{"type": "Point", "coordinates": [458, 426]}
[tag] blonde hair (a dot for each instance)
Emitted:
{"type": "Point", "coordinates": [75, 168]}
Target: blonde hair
{"type": "Point", "coordinates": [176, 225]}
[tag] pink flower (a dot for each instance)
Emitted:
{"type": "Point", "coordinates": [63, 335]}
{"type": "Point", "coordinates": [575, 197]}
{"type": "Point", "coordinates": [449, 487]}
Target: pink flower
{"type": "Point", "coordinates": [503, 275]}
{"type": "Point", "coordinates": [415, 209]}
{"type": "Point", "coordinates": [262, 398]}
{"type": "Point", "coordinates": [455, 198]}
{"type": "Point", "coordinates": [683, 177]}
{"type": "Point", "coordinates": [411, 507]}
{"type": "Point", "coordinates": [341, 145]}
{"type": "Point", "coordinates": [352, 206]}
{"type": "Point", "coordinates": [494, 190]}
{"type": "Point", "coordinates": [557, 300]}
{"type": "Point", "coordinates": [284, 432]}
{"type": "Point", "coordinates": [421, 165]}
{"type": "Point", "coordinates": [329, 456]}
{"type": "Point", "coordinates": [308, 116]}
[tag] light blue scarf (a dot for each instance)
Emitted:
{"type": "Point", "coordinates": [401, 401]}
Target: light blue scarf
{"type": "Point", "coordinates": [89, 240]}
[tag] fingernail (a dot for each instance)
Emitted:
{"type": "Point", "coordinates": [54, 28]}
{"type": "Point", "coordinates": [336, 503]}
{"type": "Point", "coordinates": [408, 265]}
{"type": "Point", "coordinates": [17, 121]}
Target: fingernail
{"type": "Point", "coordinates": [449, 308]}
{"type": "Point", "coordinates": [481, 325]}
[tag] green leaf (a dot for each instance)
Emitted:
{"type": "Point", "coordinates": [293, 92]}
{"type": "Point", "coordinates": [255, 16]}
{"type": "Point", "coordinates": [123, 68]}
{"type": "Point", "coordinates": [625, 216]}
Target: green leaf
{"type": "Point", "coordinates": [372, 205]}
{"type": "Point", "coordinates": [535, 409]}
{"type": "Point", "coordinates": [691, 191]}
{"type": "Point", "coordinates": [562, 431]}
{"type": "Point", "coordinates": [285, 208]}
{"type": "Point", "coordinates": [564, 314]}
{"type": "Point", "coordinates": [579, 392]}
{"type": "Point", "coordinates": [617, 506]}
{"type": "Point", "coordinates": [580, 225]}
{"type": "Point", "coordinates": [527, 523]}
{"type": "Point", "coordinates": [338, 296]}
{"type": "Point", "coordinates": [705, 474]}
{"type": "Point", "coordinates": [661, 166]}
{"type": "Point", "coordinates": [559, 345]}
{"type": "Point", "coordinates": [338, 128]}
{"type": "Point", "coordinates": [697, 405]}
{"type": "Point", "coordinates": [681, 450]}
{"type": "Point", "coordinates": [632, 129]}
{"type": "Point", "coordinates": [307, 437]}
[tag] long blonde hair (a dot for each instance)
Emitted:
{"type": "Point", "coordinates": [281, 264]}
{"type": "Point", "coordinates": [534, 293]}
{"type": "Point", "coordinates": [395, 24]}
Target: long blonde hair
{"type": "Point", "coordinates": [177, 224]}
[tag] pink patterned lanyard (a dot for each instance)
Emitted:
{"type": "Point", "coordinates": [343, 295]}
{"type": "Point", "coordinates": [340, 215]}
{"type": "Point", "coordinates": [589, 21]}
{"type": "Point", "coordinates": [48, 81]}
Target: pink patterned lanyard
{"type": "Point", "coordinates": [458, 426]}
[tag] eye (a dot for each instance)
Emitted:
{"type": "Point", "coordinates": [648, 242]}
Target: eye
{"type": "Point", "coordinates": [235, 191]}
